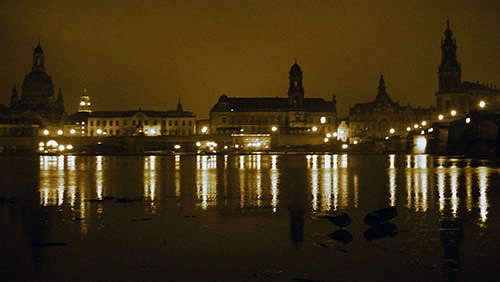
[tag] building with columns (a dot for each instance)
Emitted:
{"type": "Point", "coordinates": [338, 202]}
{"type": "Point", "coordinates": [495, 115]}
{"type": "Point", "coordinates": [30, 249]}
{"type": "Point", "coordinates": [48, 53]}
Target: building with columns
{"type": "Point", "coordinates": [292, 115]}
{"type": "Point", "coordinates": [456, 98]}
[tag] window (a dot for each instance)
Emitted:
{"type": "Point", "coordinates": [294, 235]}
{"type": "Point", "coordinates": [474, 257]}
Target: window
{"type": "Point", "coordinates": [92, 132]}
{"type": "Point", "coordinates": [183, 122]}
{"type": "Point", "coordinates": [110, 123]}
{"type": "Point", "coordinates": [111, 132]}
{"type": "Point", "coordinates": [117, 123]}
{"type": "Point", "coordinates": [154, 122]}
{"type": "Point", "coordinates": [170, 123]}
{"type": "Point", "coordinates": [164, 122]}
{"type": "Point", "coordinates": [223, 120]}
{"type": "Point", "coordinates": [125, 122]}
{"type": "Point", "coordinates": [176, 123]}
{"type": "Point", "coordinates": [91, 123]}
{"type": "Point", "coordinates": [190, 122]}
{"type": "Point", "coordinates": [146, 122]}
{"type": "Point", "coordinates": [98, 122]}
{"type": "Point", "coordinates": [140, 122]}
{"type": "Point", "coordinates": [118, 132]}
{"type": "Point", "coordinates": [133, 122]}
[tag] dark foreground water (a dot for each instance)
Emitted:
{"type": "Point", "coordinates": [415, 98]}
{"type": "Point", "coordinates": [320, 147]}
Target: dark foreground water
{"type": "Point", "coordinates": [247, 218]}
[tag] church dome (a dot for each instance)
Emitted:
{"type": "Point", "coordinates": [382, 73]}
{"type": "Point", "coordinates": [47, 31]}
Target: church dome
{"type": "Point", "coordinates": [37, 84]}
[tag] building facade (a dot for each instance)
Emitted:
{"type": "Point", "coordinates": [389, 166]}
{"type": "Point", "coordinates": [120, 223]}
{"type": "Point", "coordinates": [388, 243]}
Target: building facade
{"type": "Point", "coordinates": [384, 118]}
{"type": "Point", "coordinates": [454, 96]}
{"type": "Point", "coordinates": [87, 122]}
{"type": "Point", "coordinates": [293, 115]}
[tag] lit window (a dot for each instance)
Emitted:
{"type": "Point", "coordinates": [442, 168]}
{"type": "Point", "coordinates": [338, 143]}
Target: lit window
{"type": "Point", "coordinates": [440, 117]}
{"type": "Point", "coordinates": [322, 120]}
{"type": "Point", "coordinates": [59, 132]}
{"type": "Point", "coordinates": [482, 104]}
{"type": "Point", "coordinates": [314, 129]}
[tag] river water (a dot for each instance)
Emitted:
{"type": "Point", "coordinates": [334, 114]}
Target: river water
{"type": "Point", "coordinates": [247, 218]}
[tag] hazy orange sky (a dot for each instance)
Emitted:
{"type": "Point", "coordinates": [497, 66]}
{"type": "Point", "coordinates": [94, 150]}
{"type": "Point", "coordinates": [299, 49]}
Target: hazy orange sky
{"type": "Point", "coordinates": [132, 54]}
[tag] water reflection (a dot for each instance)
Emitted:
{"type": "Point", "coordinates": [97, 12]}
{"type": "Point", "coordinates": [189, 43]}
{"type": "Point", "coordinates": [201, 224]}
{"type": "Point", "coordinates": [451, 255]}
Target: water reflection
{"type": "Point", "coordinates": [331, 183]}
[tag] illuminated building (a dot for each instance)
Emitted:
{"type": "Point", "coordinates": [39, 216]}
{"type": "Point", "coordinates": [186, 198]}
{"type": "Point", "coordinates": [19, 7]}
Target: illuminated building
{"type": "Point", "coordinates": [453, 94]}
{"type": "Point", "coordinates": [292, 115]}
{"type": "Point", "coordinates": [383, 116]}
{"type": "Point", "coordinates": [133, 123]}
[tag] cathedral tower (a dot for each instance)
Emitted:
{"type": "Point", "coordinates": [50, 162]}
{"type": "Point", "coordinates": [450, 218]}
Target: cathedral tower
{"type": "Point", "coordinates": [38, 59]}
{"type": "Point", "coordinates": [295, 90]}
{"type": "Point", "coordinates": [449, 70]}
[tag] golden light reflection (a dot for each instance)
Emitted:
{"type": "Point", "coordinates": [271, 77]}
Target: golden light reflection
{"type": "Point", "coordinates": [150, 181]}
{"type": "Point", "coordinates": [344, 161]}
{"type": "Point", "coordinates": [314, 182]}
{"type": "Point", "coordinates": [392, 179]}
{"type": "Point", "coordinates": [355, 180]}
{"type": "Point", "coordinates": [335, 161]}
{"type": "Point", "coordinates": [177, 161]}
{"type": "Point", "coordinates": [468, 186]}
{"type": "Point", "coordinates": [326, 202]}
{"type": "Point", "coordinates": [454, 189]}
{"type": "Point", "coordinates": [335, 185]}
{"type": "Point", "coordinates": [344, 187]}
{"type": "Point", "coordinates": [99, 178]}
{"type": "Point", "coordinates": [206, 182]}
{"type": "Point", "coordinates": [483, 199]}
{"type": "Point", "coordinates": [441, 178]}
{"type": "Point", "coordinates": [274, 182]}
{"type": "Point", "coordinates": [408, 161]}
{"type": "Point", "coordinates": [409, 183]}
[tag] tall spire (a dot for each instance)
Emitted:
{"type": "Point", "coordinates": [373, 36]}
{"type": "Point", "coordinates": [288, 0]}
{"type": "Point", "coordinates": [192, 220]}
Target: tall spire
{"type": "Point", "coordinates": [60, 102]}
{"type": "Point", "coordinates": [449, 69]}
{"type": "Point", "coordinates": [14, 98]}
{"type": "Point", "coordinates": [179, 105]}
{"type": "Point", "coordinates": [382, 96]}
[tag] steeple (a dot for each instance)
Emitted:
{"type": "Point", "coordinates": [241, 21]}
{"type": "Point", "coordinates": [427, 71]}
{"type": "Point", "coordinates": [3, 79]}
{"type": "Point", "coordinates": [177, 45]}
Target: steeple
{"type": "Point", "coordinates": [14, 98]}
{"type": "Point", "coordinates": [382, 96]}
{"type": "Point", "coordinates": [179, 105]}
{"type": "Point", "coordinates": [38, 59]}
{"type": "Point", "coordinates": [449, 70]}
{"type": "Point", "coordinates": [295, 89]}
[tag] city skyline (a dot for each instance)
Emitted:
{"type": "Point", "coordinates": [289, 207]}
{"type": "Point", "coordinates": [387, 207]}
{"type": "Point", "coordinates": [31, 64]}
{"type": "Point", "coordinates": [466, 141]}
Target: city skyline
{"type": "Point", "coordinates": [339, 54]}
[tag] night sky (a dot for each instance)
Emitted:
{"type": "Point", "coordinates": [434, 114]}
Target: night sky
{"type": "Point", "coordinates": [129, 54]}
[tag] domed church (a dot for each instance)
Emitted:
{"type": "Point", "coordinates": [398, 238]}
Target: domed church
{"type": "Point", "coordinates": [38, 92]}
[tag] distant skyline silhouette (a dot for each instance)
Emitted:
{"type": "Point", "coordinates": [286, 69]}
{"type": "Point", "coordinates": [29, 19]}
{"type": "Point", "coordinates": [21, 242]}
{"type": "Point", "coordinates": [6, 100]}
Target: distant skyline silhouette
{"type": "Point", "coordinates": [130, 55]}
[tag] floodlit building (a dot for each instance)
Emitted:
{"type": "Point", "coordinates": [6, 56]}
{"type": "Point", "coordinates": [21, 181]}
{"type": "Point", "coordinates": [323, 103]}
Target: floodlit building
{"type": "Point", "coordinates": [454, 96]}
{"type": "Point", "coordinates": [383, 117]}
{"type": "Point", "coordinates": [87, 122]}
{"type": "Point", "coordinates": [292, 115]}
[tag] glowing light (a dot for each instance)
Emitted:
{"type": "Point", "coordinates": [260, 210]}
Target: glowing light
{"type": "Point", "coordinates": [99, 131]}
{"type": "Point", "coordinates": [424, 123]}
{"type": "Point", "coordinates": [329, 135]}
{"type": "Point", "coordinates": [345, 146]}
{"type": "Point", "coordinates": [69, 147]}
{"type": "Point", "coordinates": [61, 148]}
{"type": "Point", "coordinates": [82, 103]}
{"type": "Point", "coordinates": [274, 129]}
{"type": "Point", "coordinates": [408, 128]}
{"type": "Point", "coordinates": [355, 142]}
{"type": "Point", "coordinates": [314, 129]}
{"type": "Point", "coordinates": [225, 147]}
{"type": "Point", "coordinates": [440, 117]}
{"type": "Point", "coordinates": [430, 130]}
{"type": "Point", "coordinates": [387, 138]}
{"type": "Point", "coordinates": [177, 146]}
{"type": "Point", "coordinates": [326, 139]}
{"type": "Point", "coordinates": [41, 144]}
{"type": "Point", "coordinates": [152, 131]}
{"type": "Point", "coordinates": [59, 132]}
{"type": "Point", "coordinates": [236, 146]}
{"type": "Point", "coordinates": [453, 113]}
{"type": "Point", "coordinates": [198, 144]}
{"type": "Point", "coordinates": [204, 129]}
{"type": "Point", "coordinates": [482, 104]}
{"type": "Point", "coordinates": [46, 132]}
{"type": "Point", "coordinates": [335, 134]}
{"type": "Point", "coordinates": [72, 131]}
{"type": "Point", "coordinates": [392, 130]}
{"type": "Point", "coordinates": [52, 143]}
{"type": "Point", "coordinates": [483, 199]}
{"type": "Point", "coordinates": [415, 125]}
{"type": "Point", "coordinates": [467, 120]}
{"type": "Point", "coordinates": [322, 120]}
{"type": "Point", "coordinates": [421, 144]}
{"type": "Point", "coordinates": [422, 132]}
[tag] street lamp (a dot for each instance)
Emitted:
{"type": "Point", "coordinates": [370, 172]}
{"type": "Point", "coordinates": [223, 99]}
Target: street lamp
{"type": "Point", "coordinates": [453, 113]}
{"type": "Point", "coordinates": [440, 117]}
{"type": "Point", "coordinates": [482, 104]}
